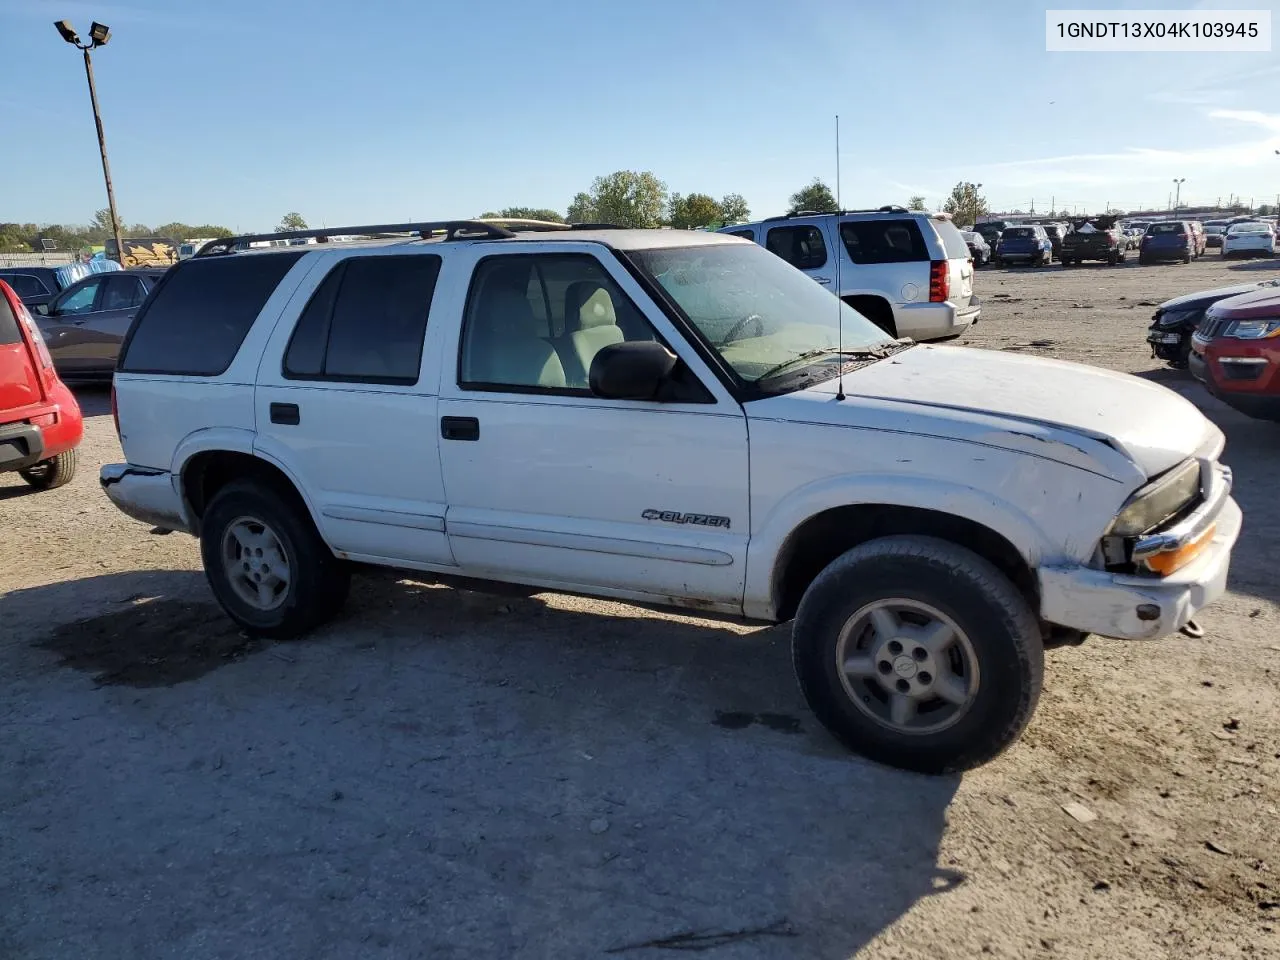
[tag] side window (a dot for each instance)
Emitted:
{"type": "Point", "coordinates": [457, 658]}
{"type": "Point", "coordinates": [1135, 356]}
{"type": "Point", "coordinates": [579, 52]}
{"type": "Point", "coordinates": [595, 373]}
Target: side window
{"type": "Point", "coordinates": [79, 300]}
{"type": "Point", "coordinates": [744, 234]}
{"type": "Point", "coordinates": [366, 322]}
{"type": "Point", "coordinates": [884, 241]}
{"type": "Point", "coordinates": [120, 293]}
{"type": "Point", "coordinates": [25, 285]}
{"type": "Point", "coordinates": [801, 246]}
{"type": "Point", "coordinates": [200, 312]}
{"type": "Point", "coordinates": [535, 322]}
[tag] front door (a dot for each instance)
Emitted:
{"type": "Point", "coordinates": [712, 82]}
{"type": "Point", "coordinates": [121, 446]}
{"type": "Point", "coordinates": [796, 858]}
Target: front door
{"type": "Point", "coordinates": [549, 484]}
{"type": "Point", "coordinates": [64, 325]}
{"type": "Point", "coordinates": [343, 405]}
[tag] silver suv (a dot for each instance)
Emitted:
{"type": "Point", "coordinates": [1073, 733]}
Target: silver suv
{"type": "Point", "coordinates": [908, 272]}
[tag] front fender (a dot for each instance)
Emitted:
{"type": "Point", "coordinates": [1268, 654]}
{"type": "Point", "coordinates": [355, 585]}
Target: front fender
{"type": "Point", "coordinates": [767, 542]}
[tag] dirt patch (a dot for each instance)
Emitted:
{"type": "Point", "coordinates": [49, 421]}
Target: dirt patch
{"type": "Point", "coordinates": [150, 643]}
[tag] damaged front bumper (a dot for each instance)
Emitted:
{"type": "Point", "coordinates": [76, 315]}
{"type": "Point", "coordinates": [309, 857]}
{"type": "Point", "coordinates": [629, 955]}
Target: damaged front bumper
{"type": "Point", "coordinates": [1137, 607]}
{"type": "Point", "coordinates": [146, 494]}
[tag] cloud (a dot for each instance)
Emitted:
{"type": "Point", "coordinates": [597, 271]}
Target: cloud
{"type": "Point", "coordinates": [914, 189]}
{"type": "Point", "coordinates": [1270, 121]}
{"type": "Point", "coordinates": [1147, 164]}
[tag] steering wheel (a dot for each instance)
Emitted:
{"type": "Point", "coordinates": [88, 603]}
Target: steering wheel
{"type": "Point", "coordinates": [738, 327]}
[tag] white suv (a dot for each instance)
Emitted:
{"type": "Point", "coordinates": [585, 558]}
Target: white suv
{"type": "Point", "coordinates": [909, 273]}
{"type": "Point", "coordinates": [666, 416]}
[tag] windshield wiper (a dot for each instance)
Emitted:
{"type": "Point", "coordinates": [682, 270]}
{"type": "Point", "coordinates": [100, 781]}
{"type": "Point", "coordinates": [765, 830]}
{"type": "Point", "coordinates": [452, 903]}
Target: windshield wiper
{"type": "Point", "coordinates": [873, 353]}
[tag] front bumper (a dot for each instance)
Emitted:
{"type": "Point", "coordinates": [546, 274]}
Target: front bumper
{"type": "Point", "coordinates": [1095, 601]}
{"type": "Point", "coordinates": [145, 494]}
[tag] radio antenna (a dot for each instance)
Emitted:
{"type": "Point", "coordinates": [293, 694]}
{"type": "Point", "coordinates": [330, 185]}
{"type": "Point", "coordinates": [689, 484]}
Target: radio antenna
{"type": "Point", "coordinates": [839, 238]}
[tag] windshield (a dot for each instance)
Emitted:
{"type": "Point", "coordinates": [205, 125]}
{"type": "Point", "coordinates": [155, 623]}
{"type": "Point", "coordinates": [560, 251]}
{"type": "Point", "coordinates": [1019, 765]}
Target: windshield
{"type": "Point", "coordinates": [1018, 233]}
{"type": "Point", "coordinates": [1250, 228]}
{"type": "Point", "coordinates": [755, 309]}
{"type": "Point", "coordinates": [1158, 228]}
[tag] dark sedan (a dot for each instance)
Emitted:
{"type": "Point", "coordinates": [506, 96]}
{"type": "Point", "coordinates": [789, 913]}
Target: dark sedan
{"type": "Point", "coordinates": [85, 324]}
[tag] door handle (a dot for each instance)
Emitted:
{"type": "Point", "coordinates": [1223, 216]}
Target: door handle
{"type": "Point", "coordinates": [822, 279]}
{"type": "Point", "coordinates": [286, 413]}
{"type": "Point", "coordinates": [460, 428]}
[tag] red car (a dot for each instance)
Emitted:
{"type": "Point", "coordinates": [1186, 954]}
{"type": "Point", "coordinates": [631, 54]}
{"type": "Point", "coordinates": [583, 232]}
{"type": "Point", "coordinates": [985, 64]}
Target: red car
{"type": "Point", "coordinates": [1235, 352]}
{"type": "Point", "coordinates": [40, 422]}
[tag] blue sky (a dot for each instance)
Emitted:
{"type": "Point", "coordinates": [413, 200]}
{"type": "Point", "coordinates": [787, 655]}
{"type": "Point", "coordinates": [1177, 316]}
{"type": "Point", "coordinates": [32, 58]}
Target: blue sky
{"type": "Point", "coordinates": [236, 112]}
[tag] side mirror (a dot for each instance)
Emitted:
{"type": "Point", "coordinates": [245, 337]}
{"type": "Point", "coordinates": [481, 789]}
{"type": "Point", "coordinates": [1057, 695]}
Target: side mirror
{"type": "Point", "coordinates": [631, 371]}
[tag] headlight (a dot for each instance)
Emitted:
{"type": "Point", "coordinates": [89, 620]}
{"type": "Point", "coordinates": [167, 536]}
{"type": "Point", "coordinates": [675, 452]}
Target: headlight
{"type": "Point", "coordinates": [1157, 501]}
{"type": "Point", "coordinates": [1254, 329]}
{"type": "Point", "coordinates": [1173, 318]}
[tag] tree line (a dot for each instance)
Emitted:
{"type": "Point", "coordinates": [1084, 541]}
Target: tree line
{"type": "Point", "coordinates": [75, 238]}
{"type": "Point", "coordinates": [640, 199]}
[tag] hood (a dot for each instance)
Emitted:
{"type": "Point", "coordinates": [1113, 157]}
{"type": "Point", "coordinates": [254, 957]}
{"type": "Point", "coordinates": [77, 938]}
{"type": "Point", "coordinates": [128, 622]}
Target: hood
{"type": "Point", "coordinates": [1065, 411]}
{"type": "Point", "coordinates": [1202, 298]}
{"type": "Point", "coordinates": [1261, 303]}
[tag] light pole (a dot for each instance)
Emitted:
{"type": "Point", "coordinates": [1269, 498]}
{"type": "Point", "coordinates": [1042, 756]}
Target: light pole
{"type": "Point", "coordinates": [1177, 197]}
{"type": "Point", "coordinates": [99, 34]}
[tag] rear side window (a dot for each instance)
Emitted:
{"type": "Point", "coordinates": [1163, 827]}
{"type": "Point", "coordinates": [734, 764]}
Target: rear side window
{"type": "Point", "coordinates": [366, 322]}
{"type": "Point", "coordinates": [8, 325]}
{"type": "Point", "coordinates": [200, 312]}
{"type": "Point", "coordinates": [801, 246]}
{"type": "Point", "coordinates": [952, 242]}
{"type": "Point", "coordinates": [25, 285]}
{"type": "Point", "coordinates": [886, 241]}
{"type": "Point", "coordinates": [744, 234]}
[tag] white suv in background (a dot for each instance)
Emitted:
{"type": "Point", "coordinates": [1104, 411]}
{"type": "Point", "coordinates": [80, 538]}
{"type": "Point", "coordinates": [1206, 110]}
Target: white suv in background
{"type": "Point", "coordinates": [908, 272]}
{"type": "Point", "coordinates": [673, 417]}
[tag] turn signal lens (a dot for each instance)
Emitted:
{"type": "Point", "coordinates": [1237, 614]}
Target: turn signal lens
{"type": "Point", "coordinates": [1166, 563]}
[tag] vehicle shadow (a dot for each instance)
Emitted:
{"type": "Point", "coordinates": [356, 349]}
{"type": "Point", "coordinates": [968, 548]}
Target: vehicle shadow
{"type": "Point", "coordinates": [1253, 453]}
{"type": "Point", "coordinates": [1265, 264]}
{"type": "Point", "coordinates": [439, 773]}
{"type": "Point", "coordinates": [94, 398]}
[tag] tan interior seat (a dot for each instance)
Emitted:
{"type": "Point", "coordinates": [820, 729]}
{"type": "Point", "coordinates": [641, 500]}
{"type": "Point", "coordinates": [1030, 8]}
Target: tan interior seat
{"type": "Point", "coordinates": [504, 342]}
{"type": "Point", "coordinates": [591, 324]}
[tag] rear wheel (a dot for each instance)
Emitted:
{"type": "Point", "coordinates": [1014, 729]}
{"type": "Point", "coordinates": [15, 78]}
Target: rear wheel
{"type": "Point", "coordinates": [1186, 257]}
{"type": "Point", "coordinates": [54, 472]}
{"type": "Point", "coordinates": [267, 564]}
{"type": "Point", "coordinates": [918, 653]}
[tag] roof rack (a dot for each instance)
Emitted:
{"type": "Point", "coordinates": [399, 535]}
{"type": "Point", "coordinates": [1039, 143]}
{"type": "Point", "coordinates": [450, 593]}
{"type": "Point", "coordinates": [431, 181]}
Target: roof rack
{"type": "Point", "coordinates": [887, 208]}
{"type": "Point", "coordinates": [490, 228]}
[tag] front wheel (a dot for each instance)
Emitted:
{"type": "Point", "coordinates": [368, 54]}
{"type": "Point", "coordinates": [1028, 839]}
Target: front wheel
{"type": "Point", "coordinates": [267, 564]}
{"type": "Point", "coordinates": [918, 653]}
{"type": "Point", "coordinates": [54, 472]}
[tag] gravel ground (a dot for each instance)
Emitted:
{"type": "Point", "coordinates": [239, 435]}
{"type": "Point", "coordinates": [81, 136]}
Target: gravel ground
{"type": "Point", "coordinates": [451, 774]}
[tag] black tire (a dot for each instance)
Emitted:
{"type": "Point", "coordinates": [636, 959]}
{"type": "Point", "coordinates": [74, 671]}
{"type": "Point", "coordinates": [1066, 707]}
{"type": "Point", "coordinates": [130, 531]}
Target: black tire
{"type": "Point", "coordinates": [1067, 262]}
{"type": "Point", "coordinates": [1001, 629]}
{"type": "Point", "coordinates": [318, 581]}
{"type": "Point", "coordinates": [1186, 257]}
{"type": "Point", "coordinates": [54, 472]}
{"type": "Point", "coordinates": [1143, 261]}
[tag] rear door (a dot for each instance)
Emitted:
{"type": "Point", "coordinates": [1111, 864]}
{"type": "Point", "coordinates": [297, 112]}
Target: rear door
{"type": "Point", "coordinates": [103, 330]}
{"type": "Point", "coordinates": [342, 403]}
